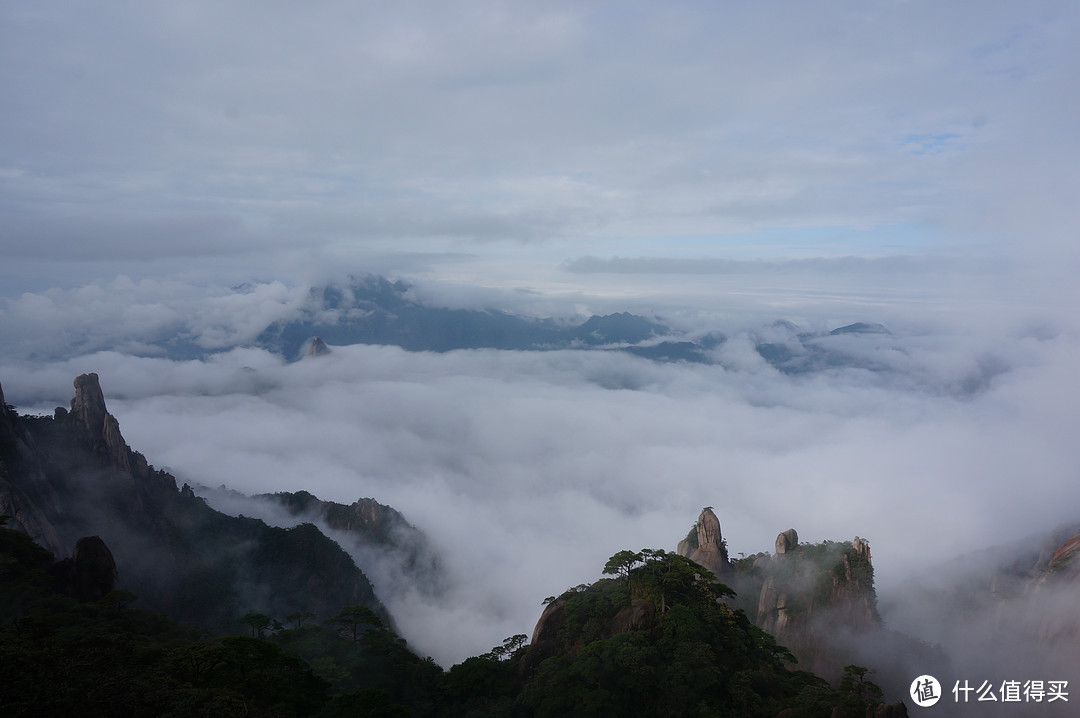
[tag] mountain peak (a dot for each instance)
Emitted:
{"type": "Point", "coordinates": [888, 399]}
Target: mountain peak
{"type": "Point", "coordinates": [861, 328]}
{"type": "Point", "coordinates": [100, 430]}
{"type": "Point", "coordinates": [88, 406]}
{"type": "Point", "coordinates": [317, 348]}
{"type": "Point", "coordinates": [705, 544]}
{"type": "Point", "coordinates": [786, 540]}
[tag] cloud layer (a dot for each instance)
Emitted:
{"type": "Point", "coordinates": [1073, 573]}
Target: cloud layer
{"type": "Point", "coordinates": [529, 469]}
{"type": "Point", "coordinates": [724, 165]}
{"type": "Point", "coordinates": [170, 134]}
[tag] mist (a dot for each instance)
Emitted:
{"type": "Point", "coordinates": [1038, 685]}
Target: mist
{"type": "Point", "coordinates": [527, 470]}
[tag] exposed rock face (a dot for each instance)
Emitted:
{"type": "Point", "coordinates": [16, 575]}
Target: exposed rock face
{"type": "Point", "coordinates": [74, 475]}
{"type": "Point", "coordinates": [772, 613]}
{"type": "Point", "coordinates": [811, 593]}
{"type": "Point", "coordinates": [786, 541]}
{"type": "Point", "coordinates": [638, 614]}
{"type": "Point", "coordinates": [811, 597]}
{"type": "Point", "coordinates": [706, 545]}
{"type": "Point", "coordinates": [1055, 580]}
{"type": "Point", "coordinates": [545, 636]}
{"type": "Point", "coordinates": [88, 406]}
{"type": "Point", "coordinates": [27, 516]}
{"type": "Point", "coordinates": [25, 492]}
{"type": "Point", "coordinates": [1064, 556]}
{"type": "Point", "coordinates": [318, 348]}
{"type": "Point", "coordinates": [862, 548]}
{"type": "Point", "coordinates": [100, 429]}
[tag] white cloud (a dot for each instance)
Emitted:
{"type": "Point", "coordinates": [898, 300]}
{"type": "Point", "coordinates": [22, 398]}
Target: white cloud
{"type": "Point", "coordinates": [529, 469]}
{"type": "Point", "coordinates": [212, 132]}
{"type": "Point", "coordinates": [479, 148]}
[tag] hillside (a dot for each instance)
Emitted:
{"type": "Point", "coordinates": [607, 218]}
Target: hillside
{"type": "Point", "coordinates": [73, 475]}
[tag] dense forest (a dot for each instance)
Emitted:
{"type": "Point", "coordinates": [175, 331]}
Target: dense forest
{"type": "Point", "coordinates": [167, 607]}
{"type": "Point", "coordinates": [658, 639]}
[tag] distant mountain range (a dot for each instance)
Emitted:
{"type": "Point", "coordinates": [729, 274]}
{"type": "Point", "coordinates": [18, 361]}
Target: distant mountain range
{"type": "Point", "coordinates": [378, 311]}
{"type": "Point", "coordinates": [374, 310]}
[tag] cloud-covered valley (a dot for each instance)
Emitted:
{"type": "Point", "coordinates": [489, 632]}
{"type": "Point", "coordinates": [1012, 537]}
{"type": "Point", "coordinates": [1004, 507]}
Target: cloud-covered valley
{"type": "Point", "coordinates": [528, 469]}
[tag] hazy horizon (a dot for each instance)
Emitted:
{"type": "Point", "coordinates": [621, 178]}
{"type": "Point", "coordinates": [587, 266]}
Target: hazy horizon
{"type": "Point", "coordinates": [193, 170]}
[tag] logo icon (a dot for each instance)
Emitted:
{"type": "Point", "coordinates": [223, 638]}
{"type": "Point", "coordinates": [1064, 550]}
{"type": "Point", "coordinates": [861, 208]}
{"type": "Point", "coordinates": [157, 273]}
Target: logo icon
{"type": "Point", "coordinates": [925, 691]}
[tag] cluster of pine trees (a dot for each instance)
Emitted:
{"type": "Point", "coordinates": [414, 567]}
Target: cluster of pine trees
{"type": "Point", "coordinates": [658, 639]}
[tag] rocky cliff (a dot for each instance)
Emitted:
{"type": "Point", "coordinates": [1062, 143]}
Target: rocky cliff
{"type": "Point", "coordinates": [818, 600]}
{"type": "Point", "coordinates": [661, 638]}
{"type": "Point", "coordinates": [26, 495]}
{"type": "Point", "coordinates": [811, 593]}
{"type": "Point", "coordinates": [705, 544]}
{"type": "Point", "coordinates": [73, 475]}
{"type": "Point", "coordinates": [368, 524]}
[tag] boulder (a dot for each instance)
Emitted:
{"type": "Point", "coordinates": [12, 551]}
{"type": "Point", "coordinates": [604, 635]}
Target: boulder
{"type": "Point", "coordinates": [786, 541]}
{"type": "Point", "coordinates": [90, 573]}
{"type": "Point", "coordinates": [94, 569]}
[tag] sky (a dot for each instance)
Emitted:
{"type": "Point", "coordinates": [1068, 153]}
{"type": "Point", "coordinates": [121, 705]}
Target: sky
{"type": "Point", "coordinates": [721, 165]}
{"type": "Point", "coordinates": [492, 142]}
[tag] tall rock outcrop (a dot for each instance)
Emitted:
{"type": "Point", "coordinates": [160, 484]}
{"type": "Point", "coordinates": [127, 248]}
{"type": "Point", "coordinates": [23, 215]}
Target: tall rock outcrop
{"type": "Point", "coordinates": [705, 544]}
{"type": "Point", "coordinates": [88, 406]}
{"type": "Point", "coordinates": [805, 595]}
{"type": "Point", "coordinates": [73, 475]}
{"type": "Point", "coordinates": [786, 541]}
{"type": "Point", "coordinates": [810, 592]}
{"type": "Point", "coordinates": [100, 429]}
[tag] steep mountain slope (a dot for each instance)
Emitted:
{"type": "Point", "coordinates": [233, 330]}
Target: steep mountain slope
{"type": "Point", "coordinates": [664, 639]}
{"type": "Point", "coordinates": [367, 523]}
{"type": "Point", "coordinates": [818, 600]}
{"type": "Point", "coordinates": [73, 475]}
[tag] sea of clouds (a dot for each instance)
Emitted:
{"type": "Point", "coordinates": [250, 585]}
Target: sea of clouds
{"type": "Point", "coordinates": [528, 469]}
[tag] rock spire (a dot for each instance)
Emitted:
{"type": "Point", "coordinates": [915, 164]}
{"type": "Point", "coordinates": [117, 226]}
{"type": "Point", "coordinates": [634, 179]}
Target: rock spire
{"type": "Point", "coordinates": [88, 406]}
{"type": "Point", "coordinates": [705, 544]}
{"type": "Point", "coordinates": [100, 429]}
{"type": "Point", "coordinates": [318, 348]}
{"type": "Point", "coordinates": [786, 541]}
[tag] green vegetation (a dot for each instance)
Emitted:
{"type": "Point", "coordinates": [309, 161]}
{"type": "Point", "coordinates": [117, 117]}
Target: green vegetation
{"type": "Point", "coordinates": [659, 639]}
{"type": "Point", "coordinates": [809, 574]}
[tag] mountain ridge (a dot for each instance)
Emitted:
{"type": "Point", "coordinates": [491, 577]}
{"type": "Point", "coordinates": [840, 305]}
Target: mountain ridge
{"type": "Point", "coordinates": [73, 475]}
